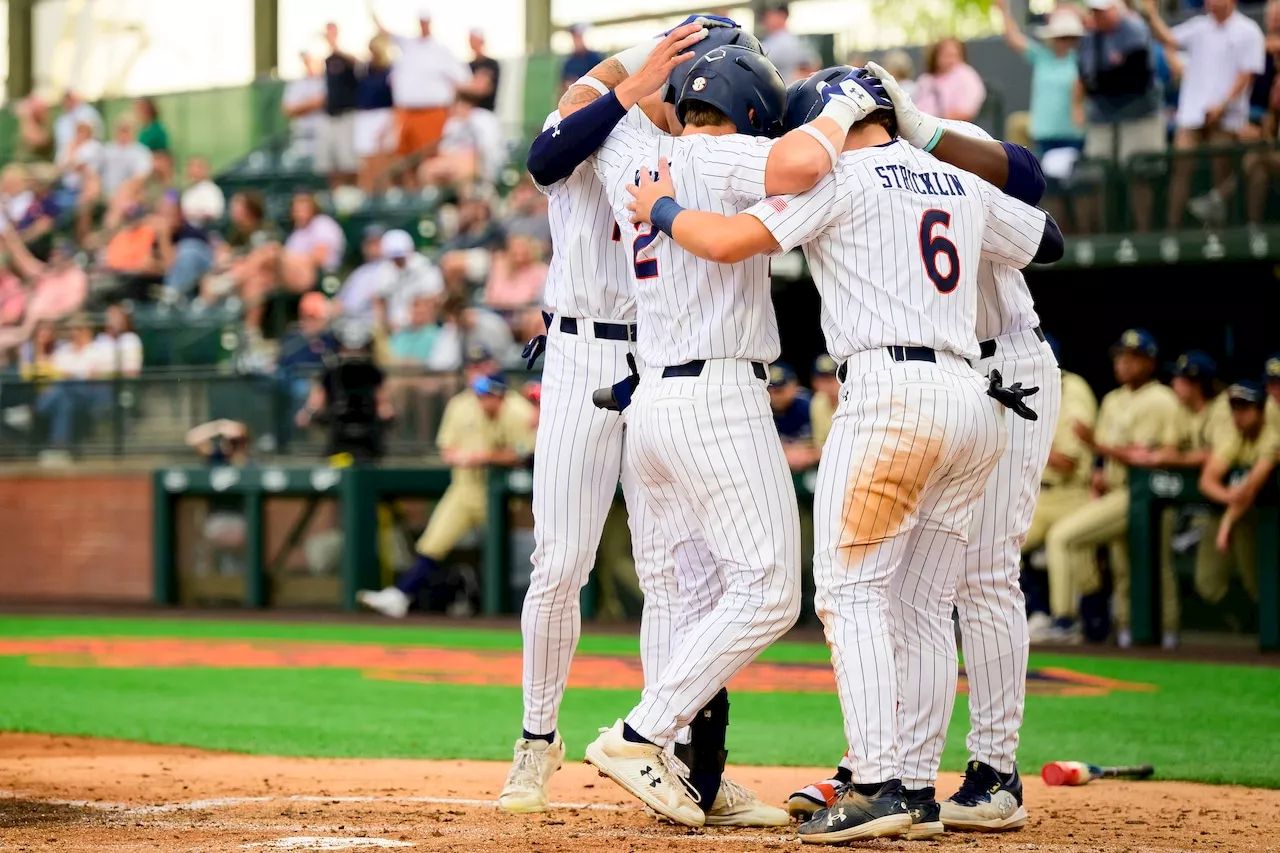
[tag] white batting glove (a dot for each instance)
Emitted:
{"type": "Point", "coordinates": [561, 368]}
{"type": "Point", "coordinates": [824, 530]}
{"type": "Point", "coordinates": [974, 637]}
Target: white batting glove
{"type": "Point", "coordinates": [920, 129]}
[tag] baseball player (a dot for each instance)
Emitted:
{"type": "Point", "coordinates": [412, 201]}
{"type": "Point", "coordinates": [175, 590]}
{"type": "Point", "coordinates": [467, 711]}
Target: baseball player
{"type": "Point", "coordinates": [826, 396]}
{"type": "Point", "coordinates": [790, 404]}
{"type": "Point", "coordinates": [590, 333]}
{"type": "Point", "coordinates": [709, 332]}
{"type": "Point", "coordinates": [915, 437]}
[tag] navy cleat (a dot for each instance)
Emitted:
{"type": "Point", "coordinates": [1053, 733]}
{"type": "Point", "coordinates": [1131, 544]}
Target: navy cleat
{"type": "Point", "coordinates": [926, 818]}
{"type": "Point", "coordinates": [855, 816]}
{"type": "Point", "coordinates": [986, 801]}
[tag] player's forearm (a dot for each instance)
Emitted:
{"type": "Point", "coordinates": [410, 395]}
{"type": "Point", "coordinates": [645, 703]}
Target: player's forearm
{"type": "Point", "coordinates": [1244, 82]}
{"type": "Point", "coordinates": [799, 159]}
{"type": "Point", "coordinates": [506, 456]}
{"type": "Point", "coordinates": [1211, 485]}
{"type": "Point", "coordinates": [1003, 164]}
{"type": "Point", "coordinates": [720, 239]}
{"type": "Point", "coordinates": [1254, 483]}
{"type": "Point", "coordinates": [560, 149]}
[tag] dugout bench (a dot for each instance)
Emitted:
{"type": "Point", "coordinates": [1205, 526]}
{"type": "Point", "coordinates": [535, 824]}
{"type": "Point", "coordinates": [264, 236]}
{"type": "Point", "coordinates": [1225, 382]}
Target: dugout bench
{"type": "Point", "coordinates": [1150, 493]}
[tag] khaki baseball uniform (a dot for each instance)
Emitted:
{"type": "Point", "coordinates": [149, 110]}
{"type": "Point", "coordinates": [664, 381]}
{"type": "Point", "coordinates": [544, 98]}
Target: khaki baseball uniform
{"type": "Point", "coordinates": [1213, 568]}
{"type": "Point", "coordinates": [466, 427]}
{"type": "Point", "coordinates": [1146, 417]}
{"type": "Point", "coordinates": [1200, 430]}
{"type": "Point", "coordinates": [1062, 494]}
{"type": "Point", "coordinates": [821, 410]}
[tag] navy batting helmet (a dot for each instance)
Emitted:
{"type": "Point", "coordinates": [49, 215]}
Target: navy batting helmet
{"type": "Point", "coordinates": [716, 37]}
{"type": "Point", "coordinates": [804, 99]}
{"type": "Point", "coordinates": [741, 84]}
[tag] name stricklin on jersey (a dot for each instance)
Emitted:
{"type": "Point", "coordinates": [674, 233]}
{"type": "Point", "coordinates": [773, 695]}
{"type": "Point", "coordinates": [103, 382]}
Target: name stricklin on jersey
{"type": "Point", "coordinates": [922, 183]}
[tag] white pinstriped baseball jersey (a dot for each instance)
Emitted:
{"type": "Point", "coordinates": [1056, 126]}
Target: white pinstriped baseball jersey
{"type": "Point", "coordinates": [590, 271]}
{"type": "Point", "coordinates": [1005, 304]}
{"type": "Point", "coordinates": [894, 238]}
{"type": "Point", "coordinates": [690, 308]}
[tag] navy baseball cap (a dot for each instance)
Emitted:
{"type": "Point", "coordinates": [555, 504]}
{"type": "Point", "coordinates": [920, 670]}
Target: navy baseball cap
{"type": "Point", "coordinates": [780, 373]}
{"type": "Point", "coordinates": [824, 365]}
{"type": "Point", "coordinates": [477, 353]}
{"type": "Point", "coordinates": [1271, 369]}
{"type": "Point", "coordinates": [1195, 364]}
{"type": "Point", "coordinates": [1136, 340]}
{"type": "Point", "coordinates": [495, 384]}
{"type": "Point", "coordinates": [1246, 392]}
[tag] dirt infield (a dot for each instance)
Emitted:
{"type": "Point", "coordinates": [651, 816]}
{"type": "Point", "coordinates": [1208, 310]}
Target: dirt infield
{"type": "Point", "coordinates": [74, 794]}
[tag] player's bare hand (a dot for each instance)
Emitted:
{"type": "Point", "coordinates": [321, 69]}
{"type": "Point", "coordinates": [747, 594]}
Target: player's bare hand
{"type": "Point", "coordinates": [1083, 432]}
{"type": "Point", "coordinates": [1223, 541]}
{"type": "Point", "coordinates": [1061, 462]}
{"type": "Point", "coordinates": [669, 53]}
{"type": "Point", "coordinates": [649, 191]}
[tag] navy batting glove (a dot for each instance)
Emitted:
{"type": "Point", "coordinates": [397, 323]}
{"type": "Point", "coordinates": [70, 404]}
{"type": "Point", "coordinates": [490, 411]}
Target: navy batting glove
{"type": "Point", "coordinates": [706, 21]}
{"type": "Point", "coordinates": [860, 78]}
{"type": "Point", "coordinates": [1012, 397]}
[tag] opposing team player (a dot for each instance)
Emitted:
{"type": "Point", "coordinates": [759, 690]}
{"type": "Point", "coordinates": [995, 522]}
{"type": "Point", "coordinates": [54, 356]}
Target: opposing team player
{"type": "Point", "coordinates": [701, 433]}
{"type": "Point", "coordinates": [915, 437]}
{"type": "Point", "coordinates": [993, 623]}
{"type": "Point", "coordinates": [579, 455]}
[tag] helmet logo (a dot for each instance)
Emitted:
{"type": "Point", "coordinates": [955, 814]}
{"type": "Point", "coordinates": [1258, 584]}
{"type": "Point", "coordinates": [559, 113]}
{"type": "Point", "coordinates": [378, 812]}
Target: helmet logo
{"type": "Point", "coordinates": [699, 84]}
{"type": "Point", "coordinates": [715, 55]}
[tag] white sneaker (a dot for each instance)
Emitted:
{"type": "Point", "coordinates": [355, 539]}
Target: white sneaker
{"type": "Point", "coordinates": [646, 771]}
{"type": "Point", "coordinates": [1039, 626]}
{"type": "Point", "coordinates": [1124, 638]}
{"type": "Point", "coordinates": [531, 770]}
{"type": "Point", "coordinates": [1170, 641]}
{"type": "Point", "coordinates": [389, 602]}
{"type": "Point", "coordinates": [739, 806]}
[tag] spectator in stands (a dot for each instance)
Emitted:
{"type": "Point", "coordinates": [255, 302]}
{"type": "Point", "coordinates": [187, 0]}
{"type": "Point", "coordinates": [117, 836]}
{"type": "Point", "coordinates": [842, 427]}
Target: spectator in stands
{"type": "Point", "coordinates": [526, 214]}
{"type": "Point", "coordinates": [186, 255]}
{"type": "Point", "coordinates": [1264, 83]}
{"type": "Point", "coordinates": [516, 281]}
{"type": "Point", "coordinates": [476, 226]}
{"type": "Point", "coordinates": [406, 274]}
{"type": "Point", "coordinates": [790, 53]}
{"type": "Point", "coordinates": [1141, 415]}
{"type": "Point", "coordinates": [471, 148]}
{"type": "Point", "coordinates": [121, 346]}
{"type": "Point", "coordinates": [315, 246]}
{"type": "Point", "coordinates": [1053, 76]}
{"type": "Point", "coordinates": [1118, 97]}
{"type": "Point", "coordinates": [34, 143]}
{"type": "Point", "coordinates": [246, 232]}
{"type": "Point", "coordinates": [1240, 465]}
{"type": "Point", "coordinates": [336, 156]}
{"type": "Point", "coordinates": [35, 357]}
{"type": "Point", "coordinates": [486, 73]}
{"type": "Point", "coordinates": [303, 104]}
{"type": "Point", "coordinates": [485, 425]}
{"type": "Point", "coordinates": [825, 398]}
{"type": "Point", "coordinates": [33, 291]}
{"type": "Point", "coordinates": [375, 129]}
{"type": "Point", "coordinates": [203, 202]}
{"type": "Point", "coordinates": [581, 60]}
{"type": "Point", "coordinates": [16, 196]}
{"type": "Point", "coordinates": [425, 81]}
{"type": "Point", "coordinates": [414, 343]}
{"type": "Point", "coordinates": [304, 348]}
{"type": "Point", "coordinates": [790, 404]}
{"type": "Point", "coordinates": [1224, 51]}
{"type": "Point", "coordinates": [152, 134]}
{"type": "Point", "coordinates": [132, 255]}
{"type": "Point", "coordinates": [74, 113]}
{"type": "Point", "coordinates": [124, 160]}
{"type": "Point", "coordinates": [81, 168]}
{"type": "Point", "coordinates": [359, 292]}
{"type": "Point", "coordinates": [37, 224]}
{"type": "Point", "coordinates": [163, 179]}
{"type": "Point", "coordinates": [74, 394]}
{"type": "Point", "coordinates": [898, 63]}
{"type": "Point", "coordinates": [949, 86]}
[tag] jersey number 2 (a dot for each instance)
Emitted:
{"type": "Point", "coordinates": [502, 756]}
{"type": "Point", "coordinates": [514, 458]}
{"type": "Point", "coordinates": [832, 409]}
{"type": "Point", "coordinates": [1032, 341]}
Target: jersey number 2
{"type": "Point", "coordinates": [646, 268]}
{"type": "Point", "coordinates": [931, 247]}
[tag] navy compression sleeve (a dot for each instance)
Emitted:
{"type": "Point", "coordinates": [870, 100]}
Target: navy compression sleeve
{"type": "Point", "coordinates": [1052, 245]}
{"type": "Point", "coordinates": [1026, 179]}
{"type": "Point", "coordinates": [560, 149]}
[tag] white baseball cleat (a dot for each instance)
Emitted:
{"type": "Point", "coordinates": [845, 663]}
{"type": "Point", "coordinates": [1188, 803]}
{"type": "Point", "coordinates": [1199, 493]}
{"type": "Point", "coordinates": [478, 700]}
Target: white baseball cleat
{"type": "Point", "coordinates": [986, 802]}
{"type": "Point", "coordinates": [646, 771]}
{"type": "Point", "coordinates": [526, 788]}
{"type": "Point", "coordinates": [389, 602]}
{"type": "Point", "coordinates": [739, 806]}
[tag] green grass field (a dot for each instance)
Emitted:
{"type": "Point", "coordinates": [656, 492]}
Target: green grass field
{"type": "Point", "coordinates": [1204, 722]}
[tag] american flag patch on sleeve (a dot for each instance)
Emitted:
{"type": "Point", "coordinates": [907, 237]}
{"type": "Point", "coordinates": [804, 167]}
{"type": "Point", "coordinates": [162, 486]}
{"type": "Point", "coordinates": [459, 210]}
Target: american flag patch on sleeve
{"type": "Point", "coordinates": [776, 203]}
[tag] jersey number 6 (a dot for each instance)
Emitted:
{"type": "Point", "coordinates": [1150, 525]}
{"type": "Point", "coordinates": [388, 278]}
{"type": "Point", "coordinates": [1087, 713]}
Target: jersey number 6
{"type": "Point", "coordinates": [931, 247]}
{"type": "Point", "coordinates": [647, 268]}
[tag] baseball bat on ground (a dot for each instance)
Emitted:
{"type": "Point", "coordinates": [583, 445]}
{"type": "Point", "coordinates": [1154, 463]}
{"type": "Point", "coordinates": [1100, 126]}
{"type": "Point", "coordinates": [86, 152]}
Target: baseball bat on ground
{"type": "Point", "coordinates": [1078, 773]}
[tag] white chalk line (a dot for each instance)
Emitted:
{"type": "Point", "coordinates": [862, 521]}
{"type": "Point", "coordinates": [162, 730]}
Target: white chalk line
{"type": "Point", "coordinates": [231, 802]}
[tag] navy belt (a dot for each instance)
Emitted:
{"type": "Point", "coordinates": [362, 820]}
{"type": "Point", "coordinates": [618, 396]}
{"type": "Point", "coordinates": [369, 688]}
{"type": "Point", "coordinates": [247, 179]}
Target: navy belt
{"type": "Point", "coordinates": [988, 348]}
{"type": "Point", "coordinates": [694, 368]}
{"type": "Point", "coordinates": [604, 331]}
{"type": "Point", "coordinates": [897, 354]}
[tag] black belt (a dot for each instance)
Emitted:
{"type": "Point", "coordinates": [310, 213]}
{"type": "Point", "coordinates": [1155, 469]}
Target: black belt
{"type": "Point", "coordinates": [988, 348]}
{"type": "Point", "coordinates": [604, 331]}
{"type": "Point", "coordinates": [897, 354]}
{"type": "Point", "coordinates": [694, 368]}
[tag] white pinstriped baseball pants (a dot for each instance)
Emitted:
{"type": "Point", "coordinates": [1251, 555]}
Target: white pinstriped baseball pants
{"type": "Point", "coordinates": [710, 463]}
{"type": "Point", "coordinates": [911, 446]}
{"type": "Point", "coordinates": [993, 616]}
{"type": "Point", "coordinates": [578, 458]}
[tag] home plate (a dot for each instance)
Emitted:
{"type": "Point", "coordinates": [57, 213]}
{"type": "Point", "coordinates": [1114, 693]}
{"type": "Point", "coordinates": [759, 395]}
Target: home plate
{"type": "Point", "coordinates": [313, 842]}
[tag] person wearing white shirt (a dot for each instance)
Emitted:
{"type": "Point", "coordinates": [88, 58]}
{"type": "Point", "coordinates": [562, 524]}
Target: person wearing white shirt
{"type": "Point", "coordinates": [76, 363]}
{"type": "Point", "coordinates": [124, 159]}
{"type": "Point", "coordinates": [406, 276]}
{"type": "Point", "coordinates": [203, 201]}
{"type": "Point", "coordinates": [74, 113]}
{"type": "Point", "coordinates": [81, 166]}
{"type": "Point", "coordinates": [425, 80]}
{"type": "Point", "coordinates": [789, 53]}
{"type": "Point", "coordinates": [120, 346]}
{"type": "Point", "coordinates": [1222, 52]}
{"type": "Point", "coordinates": [303, 103]}
{"type": "Point", "coordinates": [472, 147]}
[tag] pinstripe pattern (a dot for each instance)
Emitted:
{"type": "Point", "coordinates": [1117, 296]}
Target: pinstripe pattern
{"type": "Point", "coordinates": [708, 456]}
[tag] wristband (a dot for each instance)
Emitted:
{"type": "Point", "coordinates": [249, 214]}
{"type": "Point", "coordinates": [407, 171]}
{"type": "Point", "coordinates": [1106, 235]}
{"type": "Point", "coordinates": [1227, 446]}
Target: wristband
{"type": "Point", "coordinates": [592, 83]}
{"type": "Point", "coordinates": [937, 137]}
{"type": "Point", "coordinates": [822, 140]}
{"type": "Point", "coordinates": [841, 112]}
{"type": "Point", "coordinates": [633, 58]}
{"type": "Point", "coordinates": [663, 214]}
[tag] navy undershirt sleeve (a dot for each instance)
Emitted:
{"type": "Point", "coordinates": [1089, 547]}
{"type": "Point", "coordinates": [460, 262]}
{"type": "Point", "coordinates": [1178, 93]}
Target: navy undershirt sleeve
{"type": "Point", "coordinates": [560, 149]}
{"type": "Point", "coordinates": [1026, 178]}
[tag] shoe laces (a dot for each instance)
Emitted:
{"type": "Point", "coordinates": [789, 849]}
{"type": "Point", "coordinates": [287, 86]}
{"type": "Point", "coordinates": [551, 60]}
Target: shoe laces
{"type": "Point", "coordinates": [670, 768]}
{"type": "Point", "coordinates": [734, 794]}
{"type": "Point", "coordinates": [524, 770]}
{"type": "Point", "coordinates": [976, 786]}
